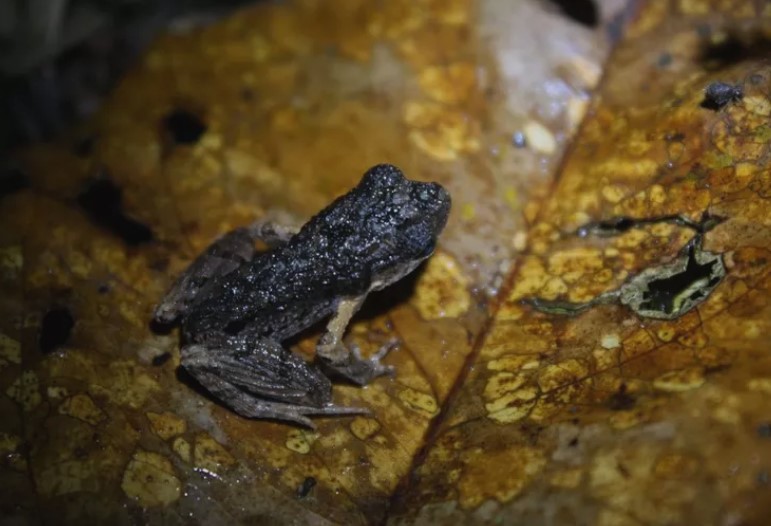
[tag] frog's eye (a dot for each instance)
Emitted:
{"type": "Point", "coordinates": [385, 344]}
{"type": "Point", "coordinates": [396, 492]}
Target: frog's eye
{"type": "Point", "coordinates": [385, 175]}
{"type": "Point", "coordinates": [427, 249]}
{"type": "Point", "coordinates": [427, 192]}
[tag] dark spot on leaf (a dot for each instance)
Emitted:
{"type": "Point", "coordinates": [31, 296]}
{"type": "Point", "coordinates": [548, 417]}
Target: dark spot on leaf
{"type": "Point", "coordinates": [582, 11]}
{"type": "Point", "coordinates": [704, 30]}
{"type": "Point", "coordinates": [764, 430]}
{"type": "Point", "coordinates": [84, 147]}
{"type": "Point", "coordinates": [662, 293]}
{"type": "Point", "coordinates": [734, 49]}
{"type": "Point", "coordinates": [183, 127]}
{"type": "Point", "coordinates": [573, 442]}
{"type": "Point", "coordinates": [621, 400]}
{"type": "Point", "coordinates": [101, 200]}
{"type": "Point", "coordinates": [12, 180]}
{"type": "Point", "coordinates": [55, 329]}
{"type": "Point", "coordinates": [674, 137]}
{"type": "Point", "coordinates": [664, 60]}
{"type": "Point", "coordinates": [161, 359]}
{"type": "Point", "coordinates": [719, 94]}
{"type": "Point", "coordinates": [159, 265]}
{"type": "Point", "coordinates": [712, 369]}
{"type": "Point", "coordinates": [608, 227]}
{"type": "Point", "coordinates": [305, 488]}
{"type": "Point", "coordinates": [103, 289]}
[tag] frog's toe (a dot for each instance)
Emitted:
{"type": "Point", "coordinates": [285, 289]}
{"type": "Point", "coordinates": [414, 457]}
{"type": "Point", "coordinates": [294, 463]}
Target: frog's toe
{"type": "Point", "coordinates": [358, 369]}
{"type": "Point", "coordinates": [298, 414]}
{"type": "Point", "coordinates": [378, 369]}
{"type": "Point", "coordinates": [295, 414]}
{"type": "Point", "coordinates": [339, 410]}
{"type": "Point", "coordinates": [374, 365]}
{"type": "Point", "coordinates": [386, 348]}
{"type": "Point", "coordinates": [288, 416]}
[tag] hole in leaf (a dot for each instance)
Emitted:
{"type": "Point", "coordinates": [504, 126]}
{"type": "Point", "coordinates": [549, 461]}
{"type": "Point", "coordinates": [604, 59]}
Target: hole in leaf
{"type": "Point", "coordinates": [582, 11]}
{"type": "Point", "coordinates": [663, 293]}
{"type": "Point", "coordinates": [102, 202]}
{"type": "Point", "coordinates": [55, 329]}
{"type": "Point", "coordinates": [183, 127]}
{"type": "Point", "coordinates": [621, 400]}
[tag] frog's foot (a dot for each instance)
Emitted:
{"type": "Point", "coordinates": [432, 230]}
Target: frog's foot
{"type": "Point", "coordinates": [334, 356]}
{"type": "Point", "coordinates": [250, 406]}
{"type": "Point", "coordinates": [265, 409]}
{"type": "Point", "coordinates": [358, 369]}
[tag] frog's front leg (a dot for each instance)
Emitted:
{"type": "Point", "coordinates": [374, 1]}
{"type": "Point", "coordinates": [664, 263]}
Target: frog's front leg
{"type": "Point", "coordinates": [257, 378]}
{"type": "Point", "coordinates": [222, 257]}
{"type": "Point", "coordinates": [342, 360]}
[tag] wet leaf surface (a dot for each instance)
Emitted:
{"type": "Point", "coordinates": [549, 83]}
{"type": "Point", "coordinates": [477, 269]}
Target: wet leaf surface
{"type": "Point", "coordinates": [498, 412]}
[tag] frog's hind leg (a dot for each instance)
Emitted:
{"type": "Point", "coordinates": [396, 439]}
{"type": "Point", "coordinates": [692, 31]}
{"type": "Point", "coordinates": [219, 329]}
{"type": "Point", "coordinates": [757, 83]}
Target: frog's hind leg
{"type": "Point", "coordinates": [222, 257]}
{"type": "Point", "coordinates": [347, 361]}
{"type": "Point", "coordinates": [249, 406]}
{"type": "Point", "coordinates": [260, 379]}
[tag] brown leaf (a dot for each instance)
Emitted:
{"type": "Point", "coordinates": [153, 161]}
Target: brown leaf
{"type": "Point", "coordinates": [498, 412]}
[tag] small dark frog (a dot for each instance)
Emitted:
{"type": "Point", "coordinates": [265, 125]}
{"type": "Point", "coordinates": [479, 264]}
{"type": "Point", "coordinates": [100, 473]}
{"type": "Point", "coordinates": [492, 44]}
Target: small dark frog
{"type": "Point", "coordinates": [719, 94]}
{"type": "Point", "coordinates": [237, 305]}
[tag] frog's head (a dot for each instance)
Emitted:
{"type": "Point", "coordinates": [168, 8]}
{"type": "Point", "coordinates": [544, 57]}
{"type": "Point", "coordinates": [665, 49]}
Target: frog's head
{"type": "Point", "coordinates": [403, 220]}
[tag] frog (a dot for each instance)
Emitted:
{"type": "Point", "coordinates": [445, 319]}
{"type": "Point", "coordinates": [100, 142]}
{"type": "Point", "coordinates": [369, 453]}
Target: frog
{"type": "Point", "coordinates": [236, 306]}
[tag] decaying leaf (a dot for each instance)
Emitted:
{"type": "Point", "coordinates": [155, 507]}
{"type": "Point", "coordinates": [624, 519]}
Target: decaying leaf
{"type": "Point", "coordinates": [498, 412]}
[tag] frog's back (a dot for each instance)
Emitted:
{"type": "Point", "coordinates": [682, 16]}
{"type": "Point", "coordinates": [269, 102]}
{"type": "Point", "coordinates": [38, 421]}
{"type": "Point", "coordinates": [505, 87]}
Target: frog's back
{"type": "Point", "coordinates": [363, 240]}
{"type": "Point", "coordinates": [278, 294]}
